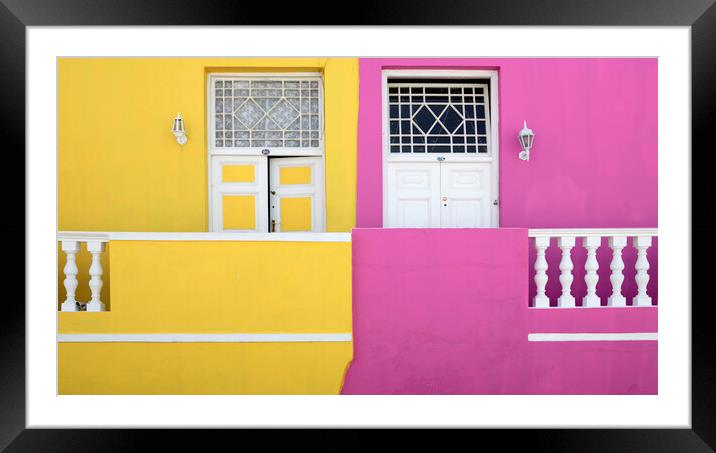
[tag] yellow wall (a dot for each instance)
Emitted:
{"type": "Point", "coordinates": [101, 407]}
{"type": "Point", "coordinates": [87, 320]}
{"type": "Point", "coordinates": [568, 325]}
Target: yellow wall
{"type": "Point", "coordinates": [202, 368]}
{"type": "Point", "coordinates": [215, 287]}
{"type": "Point", "coordinates": [119, 166]}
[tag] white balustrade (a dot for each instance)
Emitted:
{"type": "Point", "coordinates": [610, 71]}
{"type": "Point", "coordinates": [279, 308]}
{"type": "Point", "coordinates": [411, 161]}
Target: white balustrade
{"type": "Point", "coordinates": [641, 243]}
{"type": "Point", "coordinates": [541, 300]}
{"type": "Point", "coordinates": [591, 266]}
{"type": "Point", "coordinates": [71, 246]}
{"type": "Point", "coordinates": [591, 241]}
{"type": "Point", "coordinates": [565, 266]}
{"type": "Point", "coordinates": [617, 243]}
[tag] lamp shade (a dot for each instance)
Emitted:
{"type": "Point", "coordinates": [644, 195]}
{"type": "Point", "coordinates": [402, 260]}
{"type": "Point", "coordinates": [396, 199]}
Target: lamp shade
{"type": "Point", "coordinates": [526, 137]}
{"type": "Point", "coordinates": [178, 127]}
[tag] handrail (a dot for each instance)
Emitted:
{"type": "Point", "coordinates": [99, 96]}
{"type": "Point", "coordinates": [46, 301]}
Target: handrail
{"type": "Point", "coordinates": [105, 236]}
{"type": "Point", "coordinates": [590, 232]}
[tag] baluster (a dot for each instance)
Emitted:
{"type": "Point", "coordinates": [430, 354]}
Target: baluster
{"type": "Point", "coordinates": [617, 243]}
{"type": "Point", "coordinates": [95, 248]}
{"type": "Point", "coordinates": [70, 248]}
{"type": "Point", "coordinates": [541, 300]}
{"type": "Point", "coordinates": [591, 266]}
{"type": "Point", "coordinates": [641, 243]}
{"type": "Point", "coordinates": [566, 277]}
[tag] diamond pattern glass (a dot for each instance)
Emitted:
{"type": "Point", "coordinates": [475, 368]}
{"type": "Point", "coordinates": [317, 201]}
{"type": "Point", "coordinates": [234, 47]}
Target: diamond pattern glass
{"type": "Point", "coordinates": [262, 112]}
{"type": "Point", "coordinates": [433, 116]}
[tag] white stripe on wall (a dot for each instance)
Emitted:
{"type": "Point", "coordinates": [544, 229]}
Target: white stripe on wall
{"type": "Point", "coordinates": [203, 337]}
{"type": "Point", "coordinates": [640, 336]}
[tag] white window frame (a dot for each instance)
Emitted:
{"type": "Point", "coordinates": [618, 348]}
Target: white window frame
{"type": "Point", "coordinates": [273, 151]}
{"type": "Point", "coordinates": [213, 151]}
{"type": "Point", "coordinates": [494, 147]}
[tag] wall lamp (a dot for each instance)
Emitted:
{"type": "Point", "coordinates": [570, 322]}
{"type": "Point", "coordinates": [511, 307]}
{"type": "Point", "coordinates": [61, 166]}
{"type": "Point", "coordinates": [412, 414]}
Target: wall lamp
{"type": "Point", "coordinates": [178, 130]}
{"type": "Point", "coordinates": [526, 138]}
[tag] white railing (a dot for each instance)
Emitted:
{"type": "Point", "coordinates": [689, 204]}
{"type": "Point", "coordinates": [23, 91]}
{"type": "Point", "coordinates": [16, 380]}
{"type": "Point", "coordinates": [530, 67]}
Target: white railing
{"type": "Point", "coordinates": [96, 242]}
{"type": "Point", "coordinates": [71, 246]}
{"type": "Point", "coordinates": [591, 241]}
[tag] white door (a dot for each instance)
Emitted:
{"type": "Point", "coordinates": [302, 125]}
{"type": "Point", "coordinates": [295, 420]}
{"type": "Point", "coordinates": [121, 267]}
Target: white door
{"type": "Point", "coordinates": [465, 195]}
{"type": "Point", "coordinates": [439, 195]}
{"type": "Point", "coordinates": [413, 195]}
{"type": "Point", "coordinates": [238, 194]}
{"type": "Point", "coordinates": [296, 194]}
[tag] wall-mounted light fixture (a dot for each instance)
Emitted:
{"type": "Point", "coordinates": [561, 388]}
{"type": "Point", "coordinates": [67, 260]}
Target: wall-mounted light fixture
{"type": "Point", "coordinates": [526, 138]}
{"type": "Point", "coordinates": [178, 129]}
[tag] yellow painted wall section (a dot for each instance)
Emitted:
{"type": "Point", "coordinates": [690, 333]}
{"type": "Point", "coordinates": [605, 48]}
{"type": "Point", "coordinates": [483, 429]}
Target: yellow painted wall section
{"type": "Point", "coordinates": [223, 287]}
{"type": "Point", "coordinates": [215, 287]}
{"type": "Point", "coordinates": [202, 368]}
{"type": "Point", "coordinates": [119, 166]}
{"type": "Point", "coordinates": [341, 110]}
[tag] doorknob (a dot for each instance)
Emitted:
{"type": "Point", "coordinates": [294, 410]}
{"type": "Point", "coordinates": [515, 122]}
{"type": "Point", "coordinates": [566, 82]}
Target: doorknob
{"type": "Point", "coordinates": [444, 198]}
{"type": "Point", "coordinates": [273, 225]}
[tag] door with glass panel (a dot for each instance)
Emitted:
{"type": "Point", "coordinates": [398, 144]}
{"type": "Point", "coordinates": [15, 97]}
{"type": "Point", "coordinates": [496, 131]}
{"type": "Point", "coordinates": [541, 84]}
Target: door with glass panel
{"type": "Point", "coordinates": [266, 146]}
{"type": "Point", "coordinates": [438, 154]}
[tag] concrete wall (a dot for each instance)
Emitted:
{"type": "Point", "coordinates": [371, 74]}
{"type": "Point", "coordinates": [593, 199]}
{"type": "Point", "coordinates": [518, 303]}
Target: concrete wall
{"type": "Point", "coordinates": [215, 287]}
{"type": "Point", "coordinates": [444, 312]}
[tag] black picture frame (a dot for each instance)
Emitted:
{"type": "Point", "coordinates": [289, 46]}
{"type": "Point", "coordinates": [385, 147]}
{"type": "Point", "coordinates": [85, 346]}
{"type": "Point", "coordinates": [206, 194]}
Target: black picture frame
{"type": "Point", "coordinates": [16, 15]}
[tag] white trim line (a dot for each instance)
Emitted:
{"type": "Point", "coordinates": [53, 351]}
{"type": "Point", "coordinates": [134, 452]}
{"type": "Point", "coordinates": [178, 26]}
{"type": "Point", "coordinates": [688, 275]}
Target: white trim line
{"type": "Point", "coordinates": [637, 336]}
{"type": "Point", "coordinates": [203, 337]}
{"type": "Point", "coordinates": [247, 237]}
{"type": "Point", "coordinates": [591, 232]}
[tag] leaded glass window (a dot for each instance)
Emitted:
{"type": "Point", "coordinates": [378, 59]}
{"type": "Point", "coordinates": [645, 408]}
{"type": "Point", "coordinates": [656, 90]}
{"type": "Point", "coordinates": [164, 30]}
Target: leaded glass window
{"type": "Point", "coordinates": [267, 112]}
{"type": "Point", "coordinates": [439, 116]}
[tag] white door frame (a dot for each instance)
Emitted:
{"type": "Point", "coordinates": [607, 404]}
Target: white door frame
{"type": "Point", "coordinates": [211, 151]}
{"type": "Point", "coordinates": [493, 124]}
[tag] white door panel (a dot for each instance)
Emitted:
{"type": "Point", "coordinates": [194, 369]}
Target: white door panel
{"type": "Point", "coordinates": [466, 195]}
{"type": "Point", "coordinates": [413, 195]}
{"type": "Point", "coordinates": [439, 195]}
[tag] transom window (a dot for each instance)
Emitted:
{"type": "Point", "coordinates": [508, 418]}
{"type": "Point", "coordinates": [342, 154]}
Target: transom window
{"type": "Point", "coordinates": [439, 116]}
{"type": "Point", "coordinates": [275, 112]}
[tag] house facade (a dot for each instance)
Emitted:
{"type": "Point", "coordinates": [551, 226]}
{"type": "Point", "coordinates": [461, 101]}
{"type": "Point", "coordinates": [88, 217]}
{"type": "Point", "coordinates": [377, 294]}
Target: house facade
{"type": "Point", "coordinates": [357, 226]}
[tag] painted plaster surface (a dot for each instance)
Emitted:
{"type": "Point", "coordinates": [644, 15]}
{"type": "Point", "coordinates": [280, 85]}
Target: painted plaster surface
{"type": "Point", "coordinates": [214, 287]}
{"type": "Point", "coordinates": [445, 312]}
{"type": "Point", "coordinates": [594, 159]}
{"type": "Point", "coordinates": [116, 152]}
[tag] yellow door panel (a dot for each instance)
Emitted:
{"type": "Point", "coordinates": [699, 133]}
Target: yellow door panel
{"type": "Point", "coordinates": [296, 214]}
{"type": "Point", "coordinates": [238, 173]}
{"type": "Point", "coordinates": [239, 212]}
{"type": "Point", "coordinates": [295, 175]}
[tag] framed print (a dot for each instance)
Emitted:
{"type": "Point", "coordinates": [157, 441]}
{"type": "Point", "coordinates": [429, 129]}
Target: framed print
{"type": "Point", "coordinates": [354, 227]}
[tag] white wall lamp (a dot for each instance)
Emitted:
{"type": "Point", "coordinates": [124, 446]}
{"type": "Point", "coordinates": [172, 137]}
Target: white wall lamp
{"type": "Point", "coordinates": [178, 130]}
{"type": "Point", "coordinates": [526, 138]}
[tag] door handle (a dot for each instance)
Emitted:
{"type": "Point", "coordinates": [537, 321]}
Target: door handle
{"type": "Point", "coordinates": [273, 225]}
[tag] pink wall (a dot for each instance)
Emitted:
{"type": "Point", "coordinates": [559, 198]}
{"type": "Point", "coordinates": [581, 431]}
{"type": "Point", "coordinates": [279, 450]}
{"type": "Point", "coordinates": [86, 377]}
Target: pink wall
{"type": "Point", "coordinates": [594, 161]}
{"type": "Point", "coordinates": [431, 316]}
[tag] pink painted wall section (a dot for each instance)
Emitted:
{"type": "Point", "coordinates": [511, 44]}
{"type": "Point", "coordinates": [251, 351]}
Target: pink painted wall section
{"type": "Point", "coordinates": [594, 160]}
{"type": "Point", "coordinates": [444, 312]}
